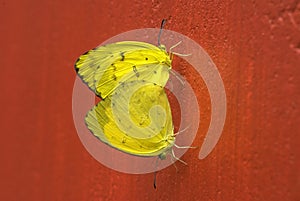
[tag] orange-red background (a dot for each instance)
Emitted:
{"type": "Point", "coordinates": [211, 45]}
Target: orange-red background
{"type": "Point", "coordinates": [256, 46]}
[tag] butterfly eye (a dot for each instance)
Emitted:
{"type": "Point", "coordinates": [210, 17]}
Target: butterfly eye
{"type": "Point", "coordinates": [162, 47]}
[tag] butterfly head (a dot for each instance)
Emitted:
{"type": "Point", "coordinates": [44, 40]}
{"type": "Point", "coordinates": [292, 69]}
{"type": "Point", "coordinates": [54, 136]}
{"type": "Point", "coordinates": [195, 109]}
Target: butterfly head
{"type": "Point", "coordinates": [163, 155]}
{"type": "Point", "coordinates": [170, 141]}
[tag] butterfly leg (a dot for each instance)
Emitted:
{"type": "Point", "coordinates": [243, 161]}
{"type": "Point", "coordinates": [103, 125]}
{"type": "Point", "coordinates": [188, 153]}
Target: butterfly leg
{"type": "Point", "coordinates": [178, 54]}
{"type": "Point", "coordinates": [182, 55]}
{"type": "Point", "coordinates": [178, 78]}
{"type": "Point", "coordinates": [185, 147]}
{"type": "Point", "coordinates": [170, 50]}
{"type": "Point", "coordinates": [173, 162]}
{"type": "Point", "coordinates": [156, 165]}
{"type": "Point", "coordinates": [173, 155]}
{"type": "Point", "coordinates": [179, 132]}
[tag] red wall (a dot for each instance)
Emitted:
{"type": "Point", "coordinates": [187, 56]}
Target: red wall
{"type": "Point", "coordinates": [256, 47]}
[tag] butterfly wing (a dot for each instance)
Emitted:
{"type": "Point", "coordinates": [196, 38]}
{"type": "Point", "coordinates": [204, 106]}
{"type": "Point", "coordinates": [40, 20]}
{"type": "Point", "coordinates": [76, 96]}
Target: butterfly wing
{"type": "Point", "coordinates": [105, 67]}
{"type": "Point", "coordinates": [142, 128]}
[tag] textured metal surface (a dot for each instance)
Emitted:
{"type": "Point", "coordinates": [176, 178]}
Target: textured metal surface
{"type": "Point", "coordinates": [256, 46]}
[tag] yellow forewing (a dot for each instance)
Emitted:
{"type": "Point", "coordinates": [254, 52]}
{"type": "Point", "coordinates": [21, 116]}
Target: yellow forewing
{"type": "Point", "coordinates": [143, 127]}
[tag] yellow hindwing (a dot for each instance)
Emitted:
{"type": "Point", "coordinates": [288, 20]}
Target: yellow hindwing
{"type": "Point", "coordinates": [106, 67]}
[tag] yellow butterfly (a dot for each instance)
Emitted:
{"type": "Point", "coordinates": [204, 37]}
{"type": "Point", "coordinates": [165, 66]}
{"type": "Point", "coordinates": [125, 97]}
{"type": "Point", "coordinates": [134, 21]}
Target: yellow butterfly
{"type": "Point", "coordinates": [134, 115]}
{"type": "Point", "coordinates": [139, 124]}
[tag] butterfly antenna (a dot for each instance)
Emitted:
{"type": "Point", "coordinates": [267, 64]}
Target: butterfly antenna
{"type": "Point", "coordinates": [154, 181]}
{"type": "Point", "coordinates": [163, 22]}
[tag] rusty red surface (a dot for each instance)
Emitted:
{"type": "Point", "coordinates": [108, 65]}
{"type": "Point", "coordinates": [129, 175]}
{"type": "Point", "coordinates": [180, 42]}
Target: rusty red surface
{"type": "Point", "coordinates": [256, 47]}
